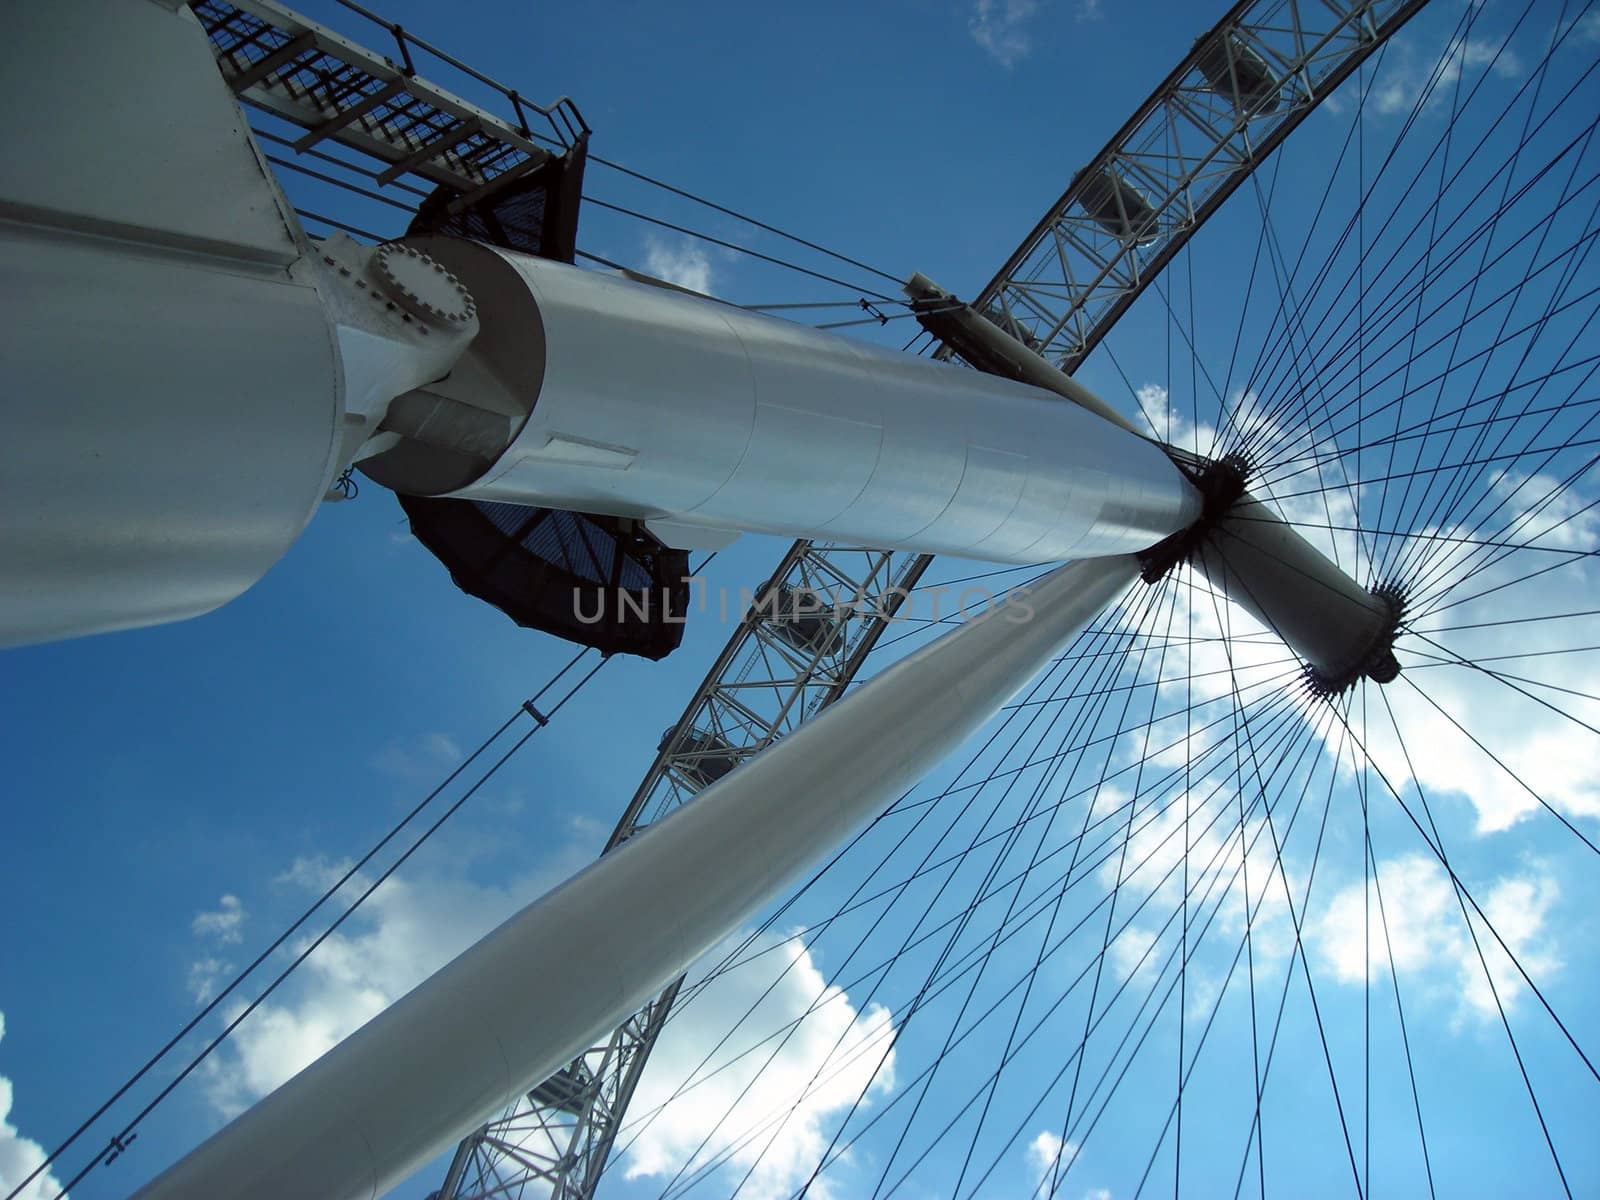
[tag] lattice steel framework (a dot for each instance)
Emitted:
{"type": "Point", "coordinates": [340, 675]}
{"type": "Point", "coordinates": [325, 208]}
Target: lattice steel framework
{"type": "Point", "coordinates": [1243, 88]}
{"type": "Point", "coordinates": [340, 92]}
{"type": "Point", "coordinates": [793, 653]}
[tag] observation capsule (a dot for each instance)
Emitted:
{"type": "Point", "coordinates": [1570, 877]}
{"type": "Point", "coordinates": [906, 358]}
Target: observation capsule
{"type": "Point", "coordinates": [707, 757]}
{"type": "Point", "coordinates": [1237, 72]}
{"type": "Point", "coordinates": [802, 620]}
{"type": "Point", "coordinates": [1118, 207]}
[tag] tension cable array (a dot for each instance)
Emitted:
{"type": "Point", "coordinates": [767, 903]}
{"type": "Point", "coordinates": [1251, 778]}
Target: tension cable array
{"type": "Point", "coordinates": [368, 189]}
{"type": "Point", "coordinates": [128, 1133]}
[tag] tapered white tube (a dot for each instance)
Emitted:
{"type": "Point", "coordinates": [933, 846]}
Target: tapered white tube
{"type": "Point", "coordinates": [644, 402]}
{"type": "Point", "coordinates": [1260, 563]}
{"type": "Point", "coordinates": [563, 972]}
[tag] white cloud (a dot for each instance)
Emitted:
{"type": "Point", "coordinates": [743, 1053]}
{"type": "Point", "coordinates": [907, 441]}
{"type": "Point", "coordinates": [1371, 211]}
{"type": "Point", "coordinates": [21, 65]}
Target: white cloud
{"type": "Point", "coordinates": [1397, 90]}
{"type": "Point", "coordinates": [1547, 514]}
{"type": "Point", "coordinates": [683, 262]}
{"type": "Point", "coordinates": [20, 1156]}
{"type": "Point", "coordinates": [1000, 27]}
{"type": "Point", "coordinates": [204, 976]}
{"type": "Point", "coordinates": [1217, 870]}
{"type": "Point", "coordinates": [223, 924]}
{"type": "Point", "coordinates": [221, 927]}
{"type": "Point", "coordinates": [1429, 939]}
{"type": "Point", "coordinates": [1173, 424]}
{"type": "Point", "coordinates": [1404, 78]}
{"type": "Point", "coordinates": [1529, 750]}
{"type": "Point", "coordinates": [1089, 10]}
{"type": "Point", "coordinates": [406, 930]}
{"type": "Point", "coordinates": [1541, 754]}
{"type": "Point", "coordinates": [798, 1055]}
{"type": "Point", "coordinates": [1133, 952]}
{"type": "Point", "coordinates": [1042, 1153]}
{"type": "Point", "coordinates": [418, 760]}
{"type": "Point", "coordinates": [586, 830]}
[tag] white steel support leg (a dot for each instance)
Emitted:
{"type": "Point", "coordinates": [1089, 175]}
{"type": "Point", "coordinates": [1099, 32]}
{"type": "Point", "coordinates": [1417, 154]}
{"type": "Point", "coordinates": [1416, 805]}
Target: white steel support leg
{"type": "Point", "coordinates": [181, 374]}
{"type": "Point", "coordinates": [691, 414]}
{"type": "Point", "coordinates": [563, 972]}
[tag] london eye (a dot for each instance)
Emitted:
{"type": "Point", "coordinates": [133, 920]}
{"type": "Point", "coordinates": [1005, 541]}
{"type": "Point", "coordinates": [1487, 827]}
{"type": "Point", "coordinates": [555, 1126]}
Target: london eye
{"type": "Point", "coordinates": [1249, 852]}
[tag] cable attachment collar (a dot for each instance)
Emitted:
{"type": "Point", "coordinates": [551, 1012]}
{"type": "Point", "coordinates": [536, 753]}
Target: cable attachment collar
{"type": "Point", "coordinates": [1220, 483]}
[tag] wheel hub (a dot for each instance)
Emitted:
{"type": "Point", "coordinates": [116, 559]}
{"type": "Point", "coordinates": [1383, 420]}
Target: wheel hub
{"type": "Point", "coordinates": [1340, 630]}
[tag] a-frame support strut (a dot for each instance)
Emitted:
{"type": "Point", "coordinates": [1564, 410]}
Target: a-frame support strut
{"type": "Point", "coordinates": [455, 1050]}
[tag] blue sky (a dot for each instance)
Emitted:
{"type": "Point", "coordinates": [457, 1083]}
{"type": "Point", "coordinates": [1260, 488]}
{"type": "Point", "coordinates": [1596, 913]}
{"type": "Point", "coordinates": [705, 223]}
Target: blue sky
{"type": "Point", "coordinates": [174, 792]}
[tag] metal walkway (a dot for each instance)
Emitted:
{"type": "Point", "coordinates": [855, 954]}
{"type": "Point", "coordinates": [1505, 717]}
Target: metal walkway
{"type": "Point", "coordinates": [338, 92]}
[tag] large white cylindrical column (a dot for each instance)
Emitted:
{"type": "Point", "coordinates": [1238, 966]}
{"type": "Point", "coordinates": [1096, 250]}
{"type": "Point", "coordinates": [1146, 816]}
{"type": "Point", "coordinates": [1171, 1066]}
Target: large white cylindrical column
{"type": "Point", "coordinates": [181, 373]}
{"type": "Point", "coordinates": [564, 971]}
{"type": "Point", "coordinates": [169, 386]}
{"type": "Point", "coordinates": [646, 402]}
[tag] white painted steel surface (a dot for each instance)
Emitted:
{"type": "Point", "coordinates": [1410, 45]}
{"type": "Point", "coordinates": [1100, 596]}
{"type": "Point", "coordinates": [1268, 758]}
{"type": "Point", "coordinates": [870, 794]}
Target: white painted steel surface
{"type": "Point", "coordinates": [169, 390]}
{"type": "Point", "coordinates": [563, 972]}
{"type": "Point", "coordinates": [157, 468]}
{"type": "Point", "coordinates": [646, 402]}
{"type": "Point", "coordinates": [181, 373]}
{"type": "Point", "coordinates": [1293, 589]}
{"type": "Point", "coordinates": [1251, 555]}
{"type": "Point", "coordinates": [131, 131]}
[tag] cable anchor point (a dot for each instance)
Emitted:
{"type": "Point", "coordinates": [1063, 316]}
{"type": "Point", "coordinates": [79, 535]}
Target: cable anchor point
{"type": "Point", "coordinates": [872, 310]}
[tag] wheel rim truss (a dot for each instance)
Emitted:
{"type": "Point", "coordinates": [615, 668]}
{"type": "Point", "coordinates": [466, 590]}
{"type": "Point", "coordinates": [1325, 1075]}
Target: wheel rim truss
{"type": "Point", "coordinates": [1183, 153]}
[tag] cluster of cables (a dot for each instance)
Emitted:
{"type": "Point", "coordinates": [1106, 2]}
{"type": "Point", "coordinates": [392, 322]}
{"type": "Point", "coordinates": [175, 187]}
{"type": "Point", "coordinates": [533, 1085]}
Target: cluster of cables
{"type": "Point", "coordinates": [471, 776]}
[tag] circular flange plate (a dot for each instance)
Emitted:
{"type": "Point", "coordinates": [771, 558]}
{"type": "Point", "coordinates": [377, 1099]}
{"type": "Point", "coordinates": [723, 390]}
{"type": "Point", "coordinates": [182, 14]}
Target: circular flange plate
{"type": "Point", "coordinates": [422, 287]}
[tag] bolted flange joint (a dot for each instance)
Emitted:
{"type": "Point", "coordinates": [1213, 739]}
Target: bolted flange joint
{"type": "Point", "coordinates": [1220, 484]}
{"type": "Point", "coordinates": [422, 287]}
{"type": "Point", "coordinates": [1379, 663]}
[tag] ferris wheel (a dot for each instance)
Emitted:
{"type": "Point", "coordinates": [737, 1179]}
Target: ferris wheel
{"type": "Point", "coordinates": [1231, 899]}
{"type": "Point", "coordinates": [1073, 890]}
